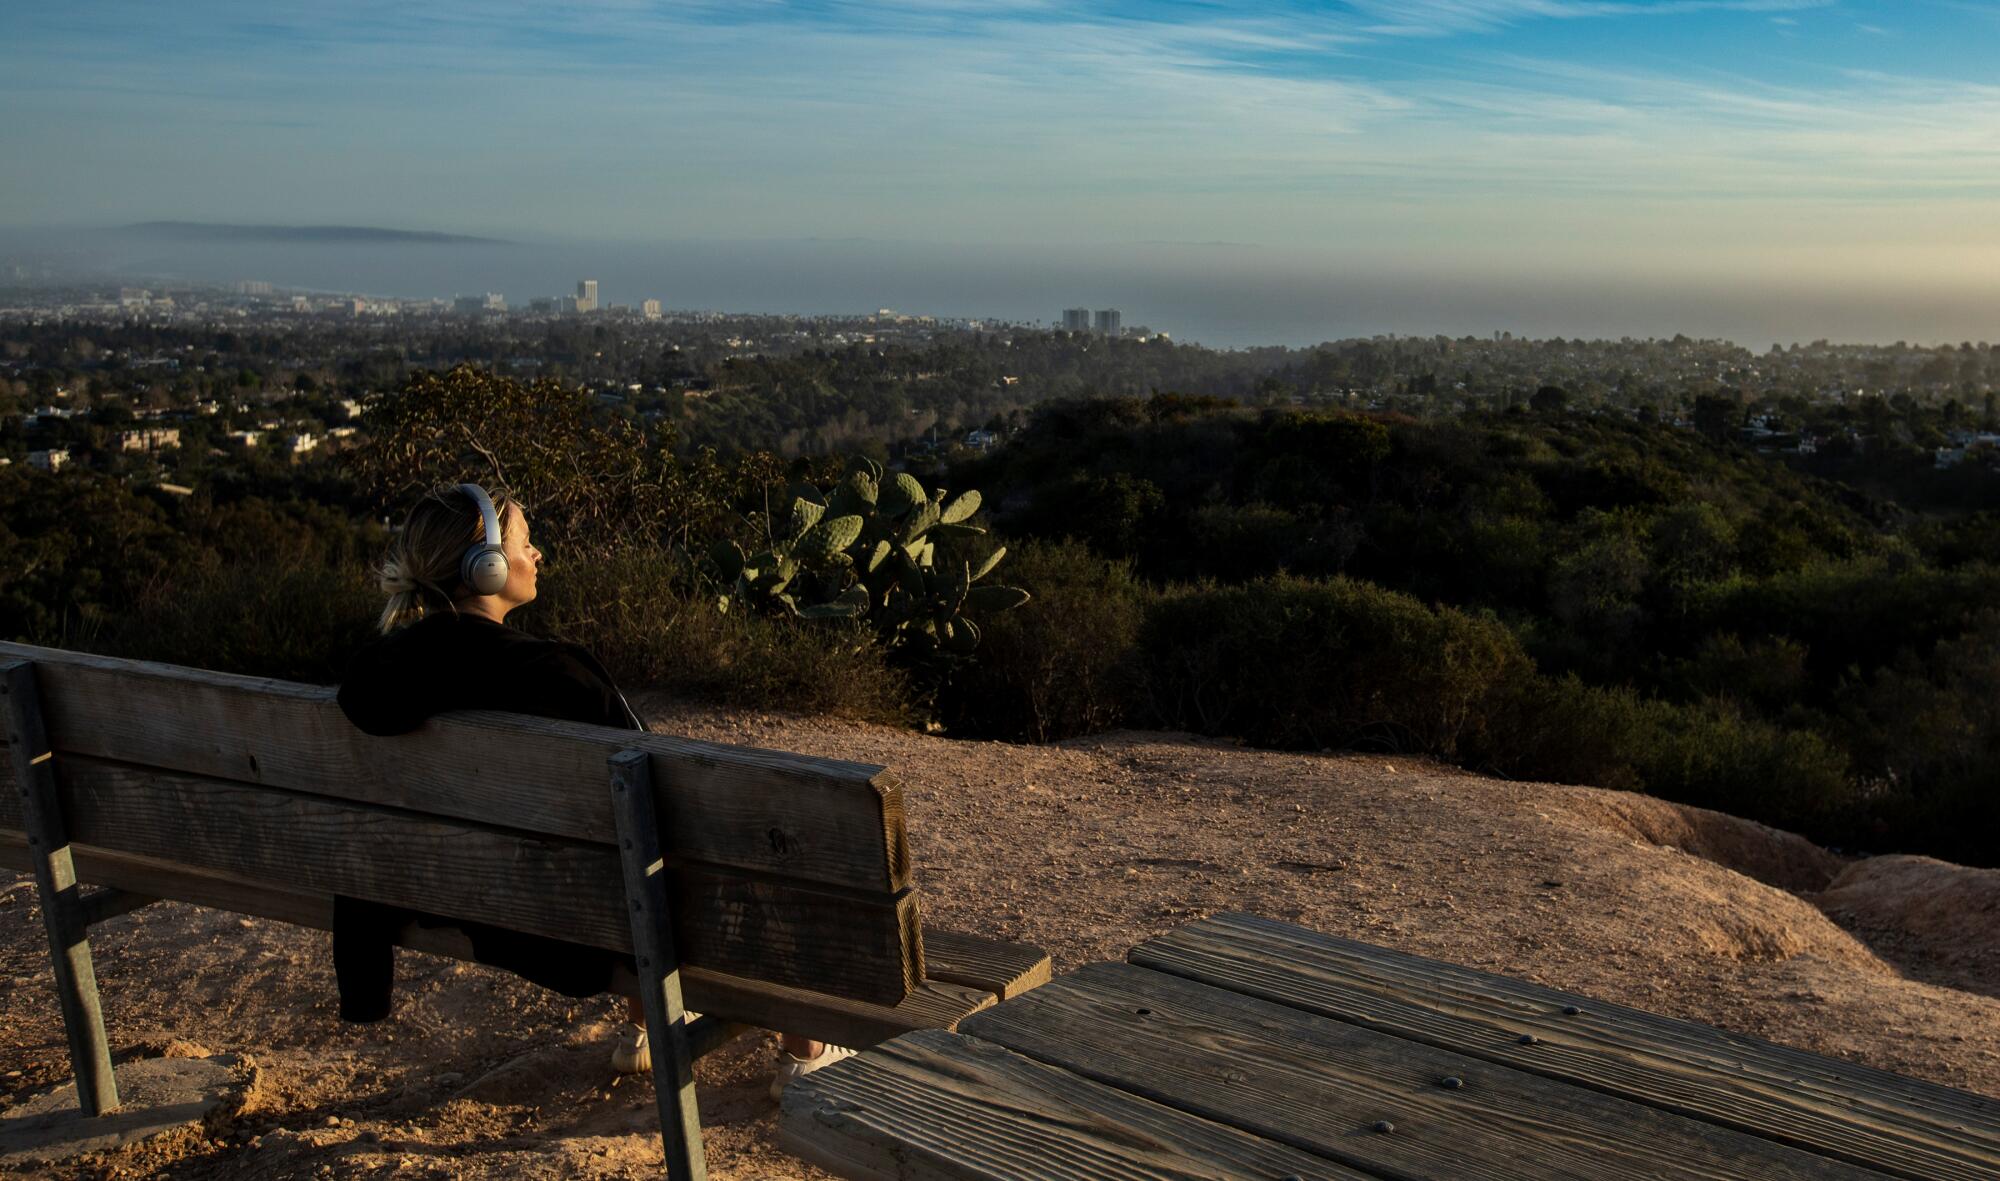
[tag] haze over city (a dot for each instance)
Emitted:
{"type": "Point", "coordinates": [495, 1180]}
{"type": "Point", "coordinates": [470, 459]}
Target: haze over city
{"type": "Point", "coordinates": [1273, 173]}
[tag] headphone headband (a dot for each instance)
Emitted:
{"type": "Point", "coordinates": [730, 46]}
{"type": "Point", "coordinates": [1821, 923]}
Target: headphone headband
{"type": "Point", "coordinates": [484, 567]}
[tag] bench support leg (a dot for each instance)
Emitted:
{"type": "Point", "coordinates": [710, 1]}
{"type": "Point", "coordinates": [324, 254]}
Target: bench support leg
{"type": "Point", "coordinates": [659, 966]}
{"type": "Point", "coordinates": [55, 879]}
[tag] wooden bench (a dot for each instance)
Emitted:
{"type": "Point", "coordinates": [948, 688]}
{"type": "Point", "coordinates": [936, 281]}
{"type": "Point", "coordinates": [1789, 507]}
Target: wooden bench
{"type": "Point", "coordinates": [758, 888]}
{"type": "Point", "coordinates": [1244, 1047]}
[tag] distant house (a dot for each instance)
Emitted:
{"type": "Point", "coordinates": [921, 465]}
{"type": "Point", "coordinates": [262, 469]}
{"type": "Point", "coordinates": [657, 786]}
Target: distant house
{"type": "Point", "coordinates": [981, 440]}
{"type": "Point", "coordinates": [149, 439]}
{"type": "Point", "coordinates": [51, 460]}
{"type": "Point", "coordinates": [247, 438]}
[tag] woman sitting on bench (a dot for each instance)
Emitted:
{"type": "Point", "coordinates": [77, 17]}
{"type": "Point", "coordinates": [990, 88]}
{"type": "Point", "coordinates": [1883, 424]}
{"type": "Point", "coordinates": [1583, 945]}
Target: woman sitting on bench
{"type": "Point", "coordinates": [445, 646]}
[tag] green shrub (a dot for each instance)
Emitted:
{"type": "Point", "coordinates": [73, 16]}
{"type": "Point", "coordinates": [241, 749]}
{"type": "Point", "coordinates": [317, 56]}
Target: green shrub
{"type": "Point", "coordinates": [639, 610]}
{"type": "Point", "coordinates": [1060, 665]}
{"type": "Point", "coordinates": [1708, 753]}
{"type": "Point", "coordinates": [1288, 662]}
{"type": "Point", "coordinates": [297, 621]}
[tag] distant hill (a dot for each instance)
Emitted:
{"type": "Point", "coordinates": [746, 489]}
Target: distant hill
{"type": "Point", "coordinates": [340, 235]}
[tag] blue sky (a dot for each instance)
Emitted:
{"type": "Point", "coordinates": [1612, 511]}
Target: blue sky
{"type": "Point", "coordinates": [1803, 137]}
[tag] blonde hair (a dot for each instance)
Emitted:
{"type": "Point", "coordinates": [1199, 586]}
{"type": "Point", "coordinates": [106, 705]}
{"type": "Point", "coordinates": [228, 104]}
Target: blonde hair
{"type": "Point", "coordinates": [421, 571]}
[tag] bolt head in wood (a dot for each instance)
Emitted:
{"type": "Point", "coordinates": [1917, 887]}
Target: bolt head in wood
{"type": "Point", "coordinates": [1451, 1082]}
{"type": "Point", "coordinates": [1571, 1010]}
{"type": "Point", "coordinates": [1529, 1039]}
{"type": "Point", "coordinates": [1384, 1126]}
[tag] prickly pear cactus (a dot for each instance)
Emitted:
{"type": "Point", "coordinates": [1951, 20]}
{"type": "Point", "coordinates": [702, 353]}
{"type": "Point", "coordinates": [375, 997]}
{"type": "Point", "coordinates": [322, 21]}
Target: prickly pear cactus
{"type": "Point", "coordinates": [873, 545]}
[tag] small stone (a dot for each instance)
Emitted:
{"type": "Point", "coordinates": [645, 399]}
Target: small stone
{"type": "Point", "coordinates": [245, 923]}
{"type": "Point", "coordinates": [1451, 1082]}
{"type": "Point", "coordinates": [333, 1121]}
{"type": "Point", "coordinates": [1384, 1126]}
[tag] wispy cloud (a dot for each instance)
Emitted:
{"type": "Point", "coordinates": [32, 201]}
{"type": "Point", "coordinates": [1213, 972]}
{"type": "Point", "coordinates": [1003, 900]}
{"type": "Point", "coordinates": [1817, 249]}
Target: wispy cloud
{"type": "Point", "coordinates": [1443, 17]}
{"type": "Point", "coordinates": [1281, 123]}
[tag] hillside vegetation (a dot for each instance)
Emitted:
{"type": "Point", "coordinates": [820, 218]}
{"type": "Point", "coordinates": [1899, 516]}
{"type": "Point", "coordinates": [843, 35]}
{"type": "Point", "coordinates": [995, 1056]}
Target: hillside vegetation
{"type": "Point", "coordinates": [1552, 594]}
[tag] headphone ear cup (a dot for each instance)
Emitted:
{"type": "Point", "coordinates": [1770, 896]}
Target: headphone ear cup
{"type": "Point", "coordinates": [486, 571]}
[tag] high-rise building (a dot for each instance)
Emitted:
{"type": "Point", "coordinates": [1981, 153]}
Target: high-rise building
{"type": "Point", "coordinates": [586, 295]}
{"type": "Point", "coordinates": [651, 309]}
{"type": "Point", "coordinates": [1109, 322]}
{"type": "Point", "coordinates": [1076, 319]}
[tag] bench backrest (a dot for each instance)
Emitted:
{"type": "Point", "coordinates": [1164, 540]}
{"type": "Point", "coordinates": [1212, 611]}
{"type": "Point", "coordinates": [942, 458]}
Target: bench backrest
{"type": "Point", "coordinates": [785, 868]}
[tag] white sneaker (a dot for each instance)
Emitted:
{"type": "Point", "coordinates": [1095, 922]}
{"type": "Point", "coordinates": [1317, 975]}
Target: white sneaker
{"type": "Point", "coordinates": [790, 1068]}
{"type": "Point", "coordinates": [631, 1054]}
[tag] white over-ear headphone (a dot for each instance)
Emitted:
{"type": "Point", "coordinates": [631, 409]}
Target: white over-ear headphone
{"type": "Point", "coordinates": [484, 567]}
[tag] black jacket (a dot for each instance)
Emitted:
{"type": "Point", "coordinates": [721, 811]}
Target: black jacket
{"type": "Point", "coordinates": [450, 662]}
{"type": "Point", "coordinates": [446, 662]}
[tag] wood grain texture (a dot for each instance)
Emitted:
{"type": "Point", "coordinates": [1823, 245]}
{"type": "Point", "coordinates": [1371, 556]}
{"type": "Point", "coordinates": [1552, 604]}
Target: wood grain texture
{"type": "Point", "coordinates": [1004, 969]}
{"type": "Point", "coordinates": [64, 918]}
{"type": "Point", "coordinates": [1323, 1086]}
{"type": "Point", "coordinates": [847, 943]}
{"type": "Point", "coordinates": [932, 1005]}
{"type": "Point", "coordinates": [659, 966]}
{"type": "Point", "coordinates": [823, 820]}
{"type": "Point", "coordinates": [1856, 1113]}
{"type": "Point", "coordinates": [932, 1106]}
{"type": "Point", "coordinates": [107, 904]}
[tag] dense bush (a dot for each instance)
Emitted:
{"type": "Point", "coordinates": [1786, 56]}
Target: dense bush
{"type": "Point", "coordinates": [1060, 665]}
{"type": "Point", "coordinates": [294, 621]}
{"type": "Point", "coordinates": [1709, 753]}
{"type": "Point", "coordinates": [1295, 663]}
{"type": "Point", "coordinates": [642, 614]}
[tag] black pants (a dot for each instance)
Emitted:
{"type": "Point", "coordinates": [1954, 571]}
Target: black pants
{"type": "Point", "coordinates": [364, 956]}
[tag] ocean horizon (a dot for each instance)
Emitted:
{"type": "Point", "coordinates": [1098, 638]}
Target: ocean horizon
{"type": "Point", "coordinates": [1227, 295]}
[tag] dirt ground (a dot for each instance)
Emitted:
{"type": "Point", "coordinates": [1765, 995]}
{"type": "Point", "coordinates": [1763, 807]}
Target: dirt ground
{"type": "Point", "coordinates": [1084, 848]}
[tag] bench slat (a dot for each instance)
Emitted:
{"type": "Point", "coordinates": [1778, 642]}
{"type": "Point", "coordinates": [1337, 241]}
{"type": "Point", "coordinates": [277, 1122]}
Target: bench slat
{"type": "Point", "coordinates": [1899, 1125]}
{"type": "Point", "coordinates": [848, 943]}
{"type": "Point", "coordinates": [934, 1004]}
{"type": "Point", "coordinates": [931, 1106]}
{"type": "Point", "coordinates": [1003, 969]}
{"type": "Point", "coordinates": [823, 820]}
{"type": "Point", "coordinates": [1322, 1085]}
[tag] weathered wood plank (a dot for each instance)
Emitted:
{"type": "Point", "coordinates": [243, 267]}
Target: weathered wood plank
{"type": "Point", "coordinates": [1003, 969]}
{"type": "Point", "coordinates": [932, 1005]}
{"type": "Point", "coordinates": [931, 1106]}
{"type": "Point", "coordinates": [108, 904]}
{"type": "Point", "coordinates": [1841, 1109]}
{"type": "Point", "coordinates": [848, 943]}
{"type": "Point", "coordinates": [822, 820]}
{"type": "Point", "coordinates": [659, 965]}
{"type": "Point", "coordinates": [63, 917]}
{"type": "Point", "coordinates": [1325, 1086]}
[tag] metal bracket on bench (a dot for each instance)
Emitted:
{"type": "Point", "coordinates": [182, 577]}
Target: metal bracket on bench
{"type": "Point", "coordinates": [63, 910]}
{"type": "Point", "coordinates": [659, 965]}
